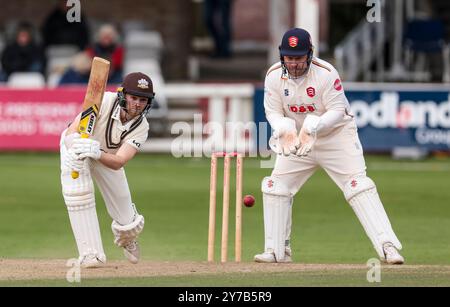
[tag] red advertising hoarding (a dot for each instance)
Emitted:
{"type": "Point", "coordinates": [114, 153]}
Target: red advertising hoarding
{"type": "Point", "coordinates": [34, 119]}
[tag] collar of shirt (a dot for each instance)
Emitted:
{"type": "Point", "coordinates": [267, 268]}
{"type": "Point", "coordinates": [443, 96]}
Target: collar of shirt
{"type": "Point", "coordinates": [302, 78]}
{"type": "Point", "coordinates": [116, 116]}
{"type": "Point", "coordinates": [298, 80]}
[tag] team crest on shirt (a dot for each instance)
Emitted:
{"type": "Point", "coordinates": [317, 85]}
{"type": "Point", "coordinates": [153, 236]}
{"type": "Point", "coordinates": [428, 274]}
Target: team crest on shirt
{"type": "Point", "coordinates": [302, 108]}
{"type": "Point", "coordinates": [311, 91]}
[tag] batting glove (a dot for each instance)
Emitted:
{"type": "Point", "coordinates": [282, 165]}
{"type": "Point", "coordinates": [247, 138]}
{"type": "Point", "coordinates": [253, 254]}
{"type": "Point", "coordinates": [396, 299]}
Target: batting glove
{"type": "Point", "coordinates": [87, 148]}
{"type": "Point", "coordinates": [73, 162]}
{"type": "Point", "coordinates": [68, 139]}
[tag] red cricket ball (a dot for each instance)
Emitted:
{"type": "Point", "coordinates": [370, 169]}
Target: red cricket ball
{"type": "Point", "coordinates": [249, 200]}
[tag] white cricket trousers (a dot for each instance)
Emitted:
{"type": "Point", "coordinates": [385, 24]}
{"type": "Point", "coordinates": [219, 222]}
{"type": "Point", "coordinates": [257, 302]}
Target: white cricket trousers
{"type": "Point", "coordinates": [340, 154]}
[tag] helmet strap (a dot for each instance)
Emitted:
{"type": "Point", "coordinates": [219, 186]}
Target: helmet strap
{"type": "Point", "coordinates": [123, 102]}
{"type": "Point", "coordinates": [285, 71]}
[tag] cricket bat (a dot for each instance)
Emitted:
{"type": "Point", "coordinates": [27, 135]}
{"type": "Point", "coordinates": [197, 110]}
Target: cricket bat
{"type": "Point", "coordinates": [93, 99]}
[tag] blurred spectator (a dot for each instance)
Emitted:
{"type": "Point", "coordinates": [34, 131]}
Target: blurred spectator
{"type": "Point", "coordinates": [57, 30]}
{"type": "Point", "coordinates": [107, 46]}
{"type": "Point", "coordinates": [23, 54]}
{"type": "Point", "coordinates": [79, 71]}
{"type": "Point", "coordinates": [217, 19]}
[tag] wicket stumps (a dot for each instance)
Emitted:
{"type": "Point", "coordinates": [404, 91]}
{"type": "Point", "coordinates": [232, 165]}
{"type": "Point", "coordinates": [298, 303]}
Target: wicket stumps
{"type": "Point", "coordinates": [226, 205]}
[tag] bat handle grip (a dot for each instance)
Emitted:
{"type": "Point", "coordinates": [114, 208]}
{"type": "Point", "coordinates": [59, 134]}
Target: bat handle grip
{"type": "Point", "coordinates": [76, 174]}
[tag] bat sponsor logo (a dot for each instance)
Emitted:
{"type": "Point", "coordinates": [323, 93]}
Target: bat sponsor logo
{"type": "Point", "coordinates": [91, 124]}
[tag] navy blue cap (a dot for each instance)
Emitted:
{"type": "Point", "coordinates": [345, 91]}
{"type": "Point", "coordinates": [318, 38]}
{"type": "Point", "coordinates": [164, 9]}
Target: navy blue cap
{"type": "Point", "coordinates": [295, 42]}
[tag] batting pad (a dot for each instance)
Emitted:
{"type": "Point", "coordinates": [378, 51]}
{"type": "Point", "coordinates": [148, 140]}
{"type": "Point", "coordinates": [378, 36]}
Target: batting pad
{"type": "Point", "coordinates": [124, 234]}
{"type": "Point", "coordinates": [362, 195]}
{"type": "Point", "coordinates": [277, 202]}
{"type": "Point", "coordinates": [80, 201]}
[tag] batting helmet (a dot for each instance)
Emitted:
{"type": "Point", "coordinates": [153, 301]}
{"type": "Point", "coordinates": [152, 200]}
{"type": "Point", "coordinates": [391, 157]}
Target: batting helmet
{"type": "Point", "coordinates": [137, 84]}
{"type": "Point", "coordinates": [296, 42]}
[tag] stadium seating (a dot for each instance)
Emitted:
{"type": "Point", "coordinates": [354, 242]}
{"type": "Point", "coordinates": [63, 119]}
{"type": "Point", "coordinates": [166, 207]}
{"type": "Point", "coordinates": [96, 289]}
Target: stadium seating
{"type": "Point", "coordinates": [423, 38]}
{"type": "Point", "coordinates": [59, 57]}
{"type": "Point", "coordinates": [143, 53]}
{"type": "Point", "coordinates": [143, 44]}
{"type": "Point", "coordinates": [133, 25]}
{"type": "Point", "coordinates": [26, 80]}
{"type": "Point", "coordinates": [2, 46]}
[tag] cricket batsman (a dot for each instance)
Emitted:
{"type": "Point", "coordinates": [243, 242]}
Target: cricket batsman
{"type": "Point", "coordinates": [120, 129]}
{"type": "Point", "coordinates": [306, 106]}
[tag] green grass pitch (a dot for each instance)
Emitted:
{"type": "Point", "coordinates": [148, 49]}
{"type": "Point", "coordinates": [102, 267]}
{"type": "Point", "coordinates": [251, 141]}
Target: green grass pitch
{"type": "Point", "coordinates": [173, 195]}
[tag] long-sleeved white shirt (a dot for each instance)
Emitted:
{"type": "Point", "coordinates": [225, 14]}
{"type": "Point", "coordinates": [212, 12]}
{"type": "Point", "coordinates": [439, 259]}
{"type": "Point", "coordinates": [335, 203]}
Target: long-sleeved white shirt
{"type": "Point", "coordinates": [319, 91]}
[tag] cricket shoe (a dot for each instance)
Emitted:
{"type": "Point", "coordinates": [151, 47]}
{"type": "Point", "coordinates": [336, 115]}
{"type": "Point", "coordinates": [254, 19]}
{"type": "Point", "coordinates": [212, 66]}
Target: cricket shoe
{"type": "Point", "coordinates": [132, 252]}
{"type": "Point", "coordinates": [392, 256]}
{"type": "Point", "coordinates": [269, 256]}
{"type": "Point", "coordinates": [92, 261]}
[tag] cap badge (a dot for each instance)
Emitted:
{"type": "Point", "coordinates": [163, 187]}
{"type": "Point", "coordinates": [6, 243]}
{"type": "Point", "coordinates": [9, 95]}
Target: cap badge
{"type": "Point", "coordinates": [293, 41]}
{"type": "Point", "coordinates": [142, 83]}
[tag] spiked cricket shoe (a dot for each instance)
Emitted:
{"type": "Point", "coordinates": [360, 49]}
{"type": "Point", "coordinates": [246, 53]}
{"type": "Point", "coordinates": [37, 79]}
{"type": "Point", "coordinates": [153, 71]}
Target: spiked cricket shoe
{"type": "Point", "coordinates": [92, 261]}
{"type": "Point", "coordinates": [132, 252]}
{"type": "Point", "coordinates": [392, 256]}
{"type": "Point", "coordinates": [269, 256]}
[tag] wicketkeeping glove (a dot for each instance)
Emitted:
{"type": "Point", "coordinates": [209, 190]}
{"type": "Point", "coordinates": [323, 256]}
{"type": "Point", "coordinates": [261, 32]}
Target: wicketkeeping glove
{"type": "Point", "coordinates": [87, 148]}
{"type": "Point", "coordinates": [284, 139]}
{"type": "Point", "coordinates": [308, 135]}
{"type": "Point", "coordinates": [285, 144]}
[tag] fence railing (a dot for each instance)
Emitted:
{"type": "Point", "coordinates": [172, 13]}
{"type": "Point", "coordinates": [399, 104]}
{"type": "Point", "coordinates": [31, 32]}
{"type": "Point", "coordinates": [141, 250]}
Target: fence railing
{"type": "Point", "coordinates": [221, 119]}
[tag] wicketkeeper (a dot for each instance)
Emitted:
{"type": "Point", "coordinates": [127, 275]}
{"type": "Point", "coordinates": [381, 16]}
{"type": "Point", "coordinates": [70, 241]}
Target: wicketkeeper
{"type": "Point", "coordinates": [306, 106]}
{"type": "Point", "coordinates": [120, 130]}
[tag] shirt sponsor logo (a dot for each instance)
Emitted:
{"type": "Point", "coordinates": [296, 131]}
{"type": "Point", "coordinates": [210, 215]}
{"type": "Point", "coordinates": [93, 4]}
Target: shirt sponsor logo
{"type": "Point", "coordinates": [302, 108]}
{"type": "Point", "coordinates": [337, 85]}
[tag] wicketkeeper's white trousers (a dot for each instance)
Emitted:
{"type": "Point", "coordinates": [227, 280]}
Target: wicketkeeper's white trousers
{"type": "Point", "coordinates": [340, 154]}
